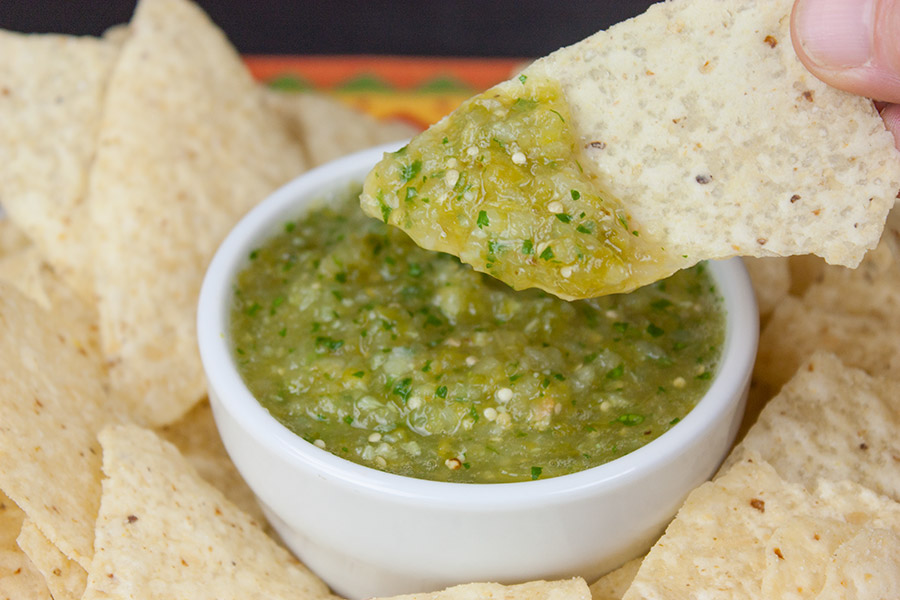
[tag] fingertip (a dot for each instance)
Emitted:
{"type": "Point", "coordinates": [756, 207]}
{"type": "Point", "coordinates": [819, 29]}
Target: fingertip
{"type": "Point", "coordinates": [850, 44]}
{"type": "Point", "coordinates": [891, 116]}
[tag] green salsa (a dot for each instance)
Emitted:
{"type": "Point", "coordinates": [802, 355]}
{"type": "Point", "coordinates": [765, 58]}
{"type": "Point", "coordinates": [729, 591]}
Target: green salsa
{"type": "Point", "coordinates": [500, 184]}
{"type": "Point", "coordinates": [411, 362]}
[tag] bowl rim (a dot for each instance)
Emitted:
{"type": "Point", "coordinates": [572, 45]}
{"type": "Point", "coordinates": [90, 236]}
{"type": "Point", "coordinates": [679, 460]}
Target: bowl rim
{"type": "Point", "coordinates": [738, 355]}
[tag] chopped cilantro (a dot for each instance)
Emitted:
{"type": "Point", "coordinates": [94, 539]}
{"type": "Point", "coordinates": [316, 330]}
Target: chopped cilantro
{"type": "Point", "coordinates": [654, 330]}
{"type": "Point", "coordinates": [527, 247]}
{"type": "Point", "coordinates": [547, 254]}
{"type": "Point", "coordinates": [616, 373]}
{"type": "Point", "coordinates": [630, 419]}
{"type": "Point", "coordinates": [403, 388]}
{"type": "Point", "coordinates": [535, 472]}
{"type": "Point", "coordinates": [564, 217]}
{"type": "Point", "coordinates": [483, 220]}
{"type": "Point", "coordinates": [409, 171]}
{"type": "Point", "coordinates": [441, 391]}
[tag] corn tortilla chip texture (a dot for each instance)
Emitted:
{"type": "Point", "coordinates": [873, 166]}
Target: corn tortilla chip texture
{"type": "Point", "coordinates": [50, 106]}
{"type": "Point", "coordinates": [19, 579]}
{"type": "Point", "coordinates": [798, 329]}
{"type": "Point", "coordinates": [566, 589]}
{"type": "Point", "coordinates": [831, 421]}
{"type": "Point", "coordinates": [27, 271]}
{"type": "Point", "coordinates": [704, 122]}
{"type": "Point", "coordinates": [771, 279]}
{"type": "Point", "coordinates": [186, 147]}
{"type": "Point", "coordinates": [719, 544]}
{"type": "Point", "coordinates": [65, 578]}
{"type": "Point", "coordinates": [613, 585]}
{"type": "Point", "coordinates": [12, 239]}
{"type": "Point", "coordinates": [198, 441]}
{"type": "Point", "coordinates": [163, 532]}
{"type": "Point", "coordinates": [53, 402]}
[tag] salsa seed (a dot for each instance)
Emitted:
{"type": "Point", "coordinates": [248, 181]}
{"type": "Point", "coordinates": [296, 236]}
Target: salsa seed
{"type": "Point", "coordinates": [319, 444]}
{"type": "Point", "coordinates": [679, 382]}
{"type": "Point", "coordinates": [519, 158]}
{"type": "Point", "coordinates": [453, 464]}
{"type": "Point", "coordinates": [490, 413]}
{"type": "Point", "coordinates": [504, 394]}
{"type": "Point", "coordinates": [555, 207]}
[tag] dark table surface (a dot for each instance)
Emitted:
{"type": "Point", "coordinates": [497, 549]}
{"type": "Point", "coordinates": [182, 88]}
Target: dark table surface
{"type": "Point", "coordinates": [520, 28]}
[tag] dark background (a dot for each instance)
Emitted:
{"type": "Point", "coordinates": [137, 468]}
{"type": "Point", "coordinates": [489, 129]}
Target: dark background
{"type": "Point", "coordinates": [523, 28]}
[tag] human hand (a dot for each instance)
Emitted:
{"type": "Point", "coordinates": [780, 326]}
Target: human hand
{"type": "Point", "coordinates": [853, 45]}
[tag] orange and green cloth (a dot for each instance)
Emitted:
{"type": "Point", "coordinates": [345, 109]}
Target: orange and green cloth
{"type": "Point", "coordinates": [418, 90]}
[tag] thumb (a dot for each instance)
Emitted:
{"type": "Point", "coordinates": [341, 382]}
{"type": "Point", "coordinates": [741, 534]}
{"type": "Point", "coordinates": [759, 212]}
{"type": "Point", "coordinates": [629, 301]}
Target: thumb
{"type": "Point", "coordinates": [853, 45]}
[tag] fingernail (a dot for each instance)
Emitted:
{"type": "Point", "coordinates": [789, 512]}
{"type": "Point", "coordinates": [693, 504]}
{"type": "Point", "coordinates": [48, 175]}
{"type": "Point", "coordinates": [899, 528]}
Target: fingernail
{"type": "Point", "coordinates": [836, 33]}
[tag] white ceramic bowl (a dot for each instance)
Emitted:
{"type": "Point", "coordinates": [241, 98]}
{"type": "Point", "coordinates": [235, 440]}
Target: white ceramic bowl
{"type": "Point", "coordinates": [369, 533]}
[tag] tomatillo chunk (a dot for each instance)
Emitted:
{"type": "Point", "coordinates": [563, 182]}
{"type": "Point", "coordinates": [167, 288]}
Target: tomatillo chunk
{"type": "Point", "coordinates": [500, 184]}
{"type": "Point", "coordinates": [411, 362]}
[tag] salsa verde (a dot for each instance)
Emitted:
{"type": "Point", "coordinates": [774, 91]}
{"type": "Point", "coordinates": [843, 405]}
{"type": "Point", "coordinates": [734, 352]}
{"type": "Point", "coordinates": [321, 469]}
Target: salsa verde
{"type": "Point", "coordinates": [411, 362]}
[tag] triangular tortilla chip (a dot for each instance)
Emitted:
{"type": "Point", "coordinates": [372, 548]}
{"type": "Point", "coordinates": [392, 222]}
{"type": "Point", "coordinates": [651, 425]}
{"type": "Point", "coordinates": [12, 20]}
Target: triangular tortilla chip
{"type": "Point", "coordinates": [186, 147]}
{"type": "Point", "coordinates": [613, 585]}
{"type": "Point", "coordinates": [19, 578]}
{"type": "Point", "coordinates": [713, 88]}
{"type": "Point", "coordinates": [698, 116]}
{"type": "Point", "coordinates": [65, 578]}
{"type": "Point", "coordinates": [26, 271]}
{"type": "Point", "coordinates": [53, 402]}
{"type": "Point", "coordinates": [565, 589]}
{"type": "Point", "coordinates": [50, 108]}
{"type": "Point", "coordinates": [197, 439]}
{"type": "Point", "coordinates": [797, 329]}
{"type": "Point", "coordinates": [830, 421]}
{"type": "Point", "coordinates": [718, 544]}
{"type": "Point", "coordinates": [165, 533]}
{"type": "Point", "coordinates": [330, 129]}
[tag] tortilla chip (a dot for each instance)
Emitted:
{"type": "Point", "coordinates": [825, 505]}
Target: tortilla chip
{"type": "Point", "coordinates": [613, 586]}
{"type": "Point", "coordinates": [197, 438]}
{"type": "Point", "coordinates": [771, 278]}
{"type": "Point", "coordinates": [50, 108]}
{"type": "Point", "coordinates": [64, 578]}
{"type": "Point", "coordinates": [805, 271]}
{"type": "Point", "coordinates": [330, 129]}
{"type": "Point", "coordinates": [791, 549]}
{"type": "Point", "coordinates": [873, 288]}
{"type": "Point", "coordinates": [797, 329]}
{"type": "Point", "coordinates": [53, 402]}
{"type": "Point", "coordinates": [720, 142]}
{"type": "Point", "coordinates": [830, 421]}
{"type": "Point", "coordinates": [26, 271]}
{"type": "Point", "coordinates": [18, 576]}
{"type": "Point", "coordinates": [11, 237]}
{"type": "Point", "coordinates": [163, 532]}
{"type": "Point", "coordinates": [567, 589]}
{"type": "Point", "coordinates": [186, 147]}
{"type": "Point", "coordinates": [850, 575]}
{"type": "Point", "coordinates": [718, 546]}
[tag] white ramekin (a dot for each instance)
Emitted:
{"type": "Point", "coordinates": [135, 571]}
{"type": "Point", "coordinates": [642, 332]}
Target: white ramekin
{"type": "Point", "coordinates": [369, 533]}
